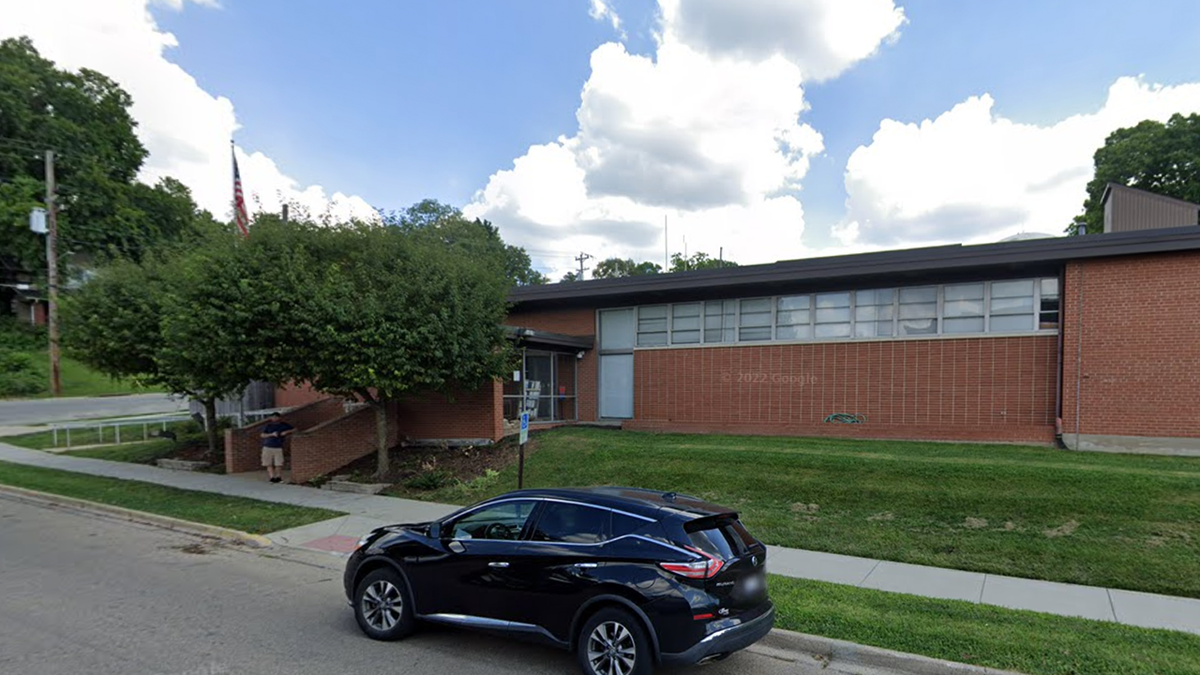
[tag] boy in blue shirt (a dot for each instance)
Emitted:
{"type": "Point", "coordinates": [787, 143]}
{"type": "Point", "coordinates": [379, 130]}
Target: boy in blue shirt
{"type": "Point", "coordinates": [274, 432]}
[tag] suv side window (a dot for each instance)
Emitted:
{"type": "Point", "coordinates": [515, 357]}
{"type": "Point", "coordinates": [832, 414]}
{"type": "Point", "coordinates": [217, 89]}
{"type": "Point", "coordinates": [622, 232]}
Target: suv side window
{"type": "Point", "coordinates": [571, 524]}
{"type": "Point", "coordinates": [623, 525]}
{"type": "Point", "coordinates": [502, 521]}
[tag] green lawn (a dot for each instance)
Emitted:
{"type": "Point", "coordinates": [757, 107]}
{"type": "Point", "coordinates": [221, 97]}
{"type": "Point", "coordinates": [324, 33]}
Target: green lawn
{"type": "Point", "coordinates": [248, 515]}
{"type": "Point", "coordinates": [1121, 521]}
{"type": "Point", "coordinates": [79, 380]}
{"type": "Point", "coordinates": [1027, 642]}
{"type": "Point", "coordinates": [137, 453]}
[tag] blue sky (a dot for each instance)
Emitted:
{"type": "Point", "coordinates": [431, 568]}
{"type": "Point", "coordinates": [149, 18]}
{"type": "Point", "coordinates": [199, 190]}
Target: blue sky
{"type": "Point", "coordinates": [387, 103]}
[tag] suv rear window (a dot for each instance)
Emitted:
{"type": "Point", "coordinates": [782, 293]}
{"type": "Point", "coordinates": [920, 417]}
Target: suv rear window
{"type": "Point", "coordinates": [725, 538]}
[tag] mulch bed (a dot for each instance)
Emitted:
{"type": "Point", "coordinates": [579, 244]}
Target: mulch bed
{"type": "Point", "coordinates": [465, 464]}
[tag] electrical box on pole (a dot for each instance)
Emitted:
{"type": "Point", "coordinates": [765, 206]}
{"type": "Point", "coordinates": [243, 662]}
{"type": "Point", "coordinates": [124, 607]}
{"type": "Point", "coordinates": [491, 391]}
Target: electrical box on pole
{"type": "Point", "coordinates": [37, 221]}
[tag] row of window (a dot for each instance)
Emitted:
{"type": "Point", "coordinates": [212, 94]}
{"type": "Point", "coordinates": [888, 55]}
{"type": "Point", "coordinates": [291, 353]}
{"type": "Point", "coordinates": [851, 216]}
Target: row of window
{"type": "Point", "coordinates": [1023, 305]}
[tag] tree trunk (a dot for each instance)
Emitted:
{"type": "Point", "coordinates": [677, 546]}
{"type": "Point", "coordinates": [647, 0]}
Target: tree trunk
{"type": "Point", "coordinates": [210, 425]}
{"type": "Point", "coordinates": [381, 439]}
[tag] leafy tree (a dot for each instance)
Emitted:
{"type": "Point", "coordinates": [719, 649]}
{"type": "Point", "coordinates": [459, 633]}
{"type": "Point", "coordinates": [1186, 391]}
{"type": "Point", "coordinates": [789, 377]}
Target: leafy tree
{"type": "Point", "coordinates": [1160, 158]}
{"type": "Point", "coordinates": [570, 276]}
{"type": "Point", "coordinates": [379, 312]}
{"type": "Point", "coordinates": [698, 261]}
{"type": "Point", "coordinates": [477, 236]}
{"type": "Point", "coordinates": [84, 117]}
{"type": "Point", "coordinates": [615, 268]}
{"type": "Point", "coordinates": [166, 321]}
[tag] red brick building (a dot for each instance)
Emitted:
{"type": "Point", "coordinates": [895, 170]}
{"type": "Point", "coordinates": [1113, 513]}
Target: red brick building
{"type": "Point", "coordinates": [1093, 340]}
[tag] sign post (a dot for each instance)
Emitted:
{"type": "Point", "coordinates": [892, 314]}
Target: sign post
{"type": "Point", "coordinates": [521, 452]}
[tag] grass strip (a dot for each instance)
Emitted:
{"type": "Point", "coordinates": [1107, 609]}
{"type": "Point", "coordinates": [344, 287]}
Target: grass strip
{"type": "Point", "coordinates": [239, 513]}
{"type": "Point", "coordinates": [983, 635]}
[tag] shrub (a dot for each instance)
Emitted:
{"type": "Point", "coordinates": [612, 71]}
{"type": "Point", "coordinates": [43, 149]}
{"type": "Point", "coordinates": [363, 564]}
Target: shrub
{"type": "Point", "coordinates": [19, 375]}
{"type": "Point", "coordinates": [21, 337]}
{"type": "Point", "coordinates": [429, 480]}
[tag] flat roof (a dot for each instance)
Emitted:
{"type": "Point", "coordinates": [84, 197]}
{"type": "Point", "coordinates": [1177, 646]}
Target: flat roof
{"type": "Point", "coordinates": [901, 267]}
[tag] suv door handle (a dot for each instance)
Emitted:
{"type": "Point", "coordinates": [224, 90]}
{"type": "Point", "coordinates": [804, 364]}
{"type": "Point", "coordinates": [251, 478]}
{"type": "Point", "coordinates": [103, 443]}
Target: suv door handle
{"type": "Point", "coordinates": [497, 564]}
{"type": "Point", "coordinates": [585, 566]}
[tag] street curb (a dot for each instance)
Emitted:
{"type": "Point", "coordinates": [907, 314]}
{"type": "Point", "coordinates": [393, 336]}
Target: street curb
{"type": "Point", "coordinates": [167, 522]}
{"type": "Point", "coordinates": [787, 645]}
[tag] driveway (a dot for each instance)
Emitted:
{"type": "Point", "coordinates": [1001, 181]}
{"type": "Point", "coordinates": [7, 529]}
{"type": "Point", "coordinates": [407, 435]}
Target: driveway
{"type": "Point", "coordinates": [40, 411]}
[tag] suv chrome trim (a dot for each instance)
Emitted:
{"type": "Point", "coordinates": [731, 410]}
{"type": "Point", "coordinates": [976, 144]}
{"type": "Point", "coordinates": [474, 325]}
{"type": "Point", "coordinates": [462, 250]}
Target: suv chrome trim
{"type": "Point", "coordinates": [556, 500]}
{"type": "Point", "coordinates": [485, 623]}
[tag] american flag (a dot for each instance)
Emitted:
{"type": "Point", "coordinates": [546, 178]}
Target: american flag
{"type": "Point", "coordinates": [239, 201]}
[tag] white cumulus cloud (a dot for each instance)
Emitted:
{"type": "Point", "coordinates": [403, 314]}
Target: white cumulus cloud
{"type": "Point", "coordinates": [822, 37]}
{"type": "Point", "coordinates": [700, 133]}
{"type": "Point", "coordinates": [972, 175]}
{"type": "Point", "coordinates": [185, 128]}
{"type": "Point", "coordinates": [602, 11]}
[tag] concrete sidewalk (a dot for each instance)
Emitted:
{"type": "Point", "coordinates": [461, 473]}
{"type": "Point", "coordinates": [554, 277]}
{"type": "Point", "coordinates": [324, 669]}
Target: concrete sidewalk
{"type": "Point", "coordinates": [366, 512]}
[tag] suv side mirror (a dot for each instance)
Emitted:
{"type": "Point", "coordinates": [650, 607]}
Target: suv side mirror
{"type": "Point", "coordinates": [435, 530]}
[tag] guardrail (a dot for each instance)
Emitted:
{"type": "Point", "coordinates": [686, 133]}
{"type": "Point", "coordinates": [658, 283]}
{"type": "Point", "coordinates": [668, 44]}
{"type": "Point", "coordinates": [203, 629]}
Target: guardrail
{"type": "Point", "coordinates": [114, 426]}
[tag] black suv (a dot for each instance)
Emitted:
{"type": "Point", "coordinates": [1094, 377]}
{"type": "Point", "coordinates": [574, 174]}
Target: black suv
{"type": "Point", "coordinates": [627, 578]}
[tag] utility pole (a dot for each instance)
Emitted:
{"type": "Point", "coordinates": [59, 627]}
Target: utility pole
{"type": "Point", "coordinates": [581, 257]}
{"type": "Point", "coordinates": [666, 247]}
{"type": "Point", "coordinates": [52, 274]}
{"type": "Point", "coordinates": [285, 214]}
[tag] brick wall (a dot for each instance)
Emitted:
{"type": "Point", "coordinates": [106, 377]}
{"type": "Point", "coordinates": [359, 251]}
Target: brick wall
{"type": "Point", "coordinates": [997, 388]}
{"type": "Point", "coordinates": [581, 322]}
{"type": "Point", "coordinates": [469, 414]}
{"type": "Point", "coordinates": [243, 446]}
{"type": "Point", "coordinates": [337, 442]}
{"type": "Point", "coordinates": [1131, 343]}
{"type": "Point", "coordinates": [293, 395]}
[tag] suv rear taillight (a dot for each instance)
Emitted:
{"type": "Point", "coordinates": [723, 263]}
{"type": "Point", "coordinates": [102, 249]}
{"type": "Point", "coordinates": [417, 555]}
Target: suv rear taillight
{"type": "Point", "coordinates": [699, 569]}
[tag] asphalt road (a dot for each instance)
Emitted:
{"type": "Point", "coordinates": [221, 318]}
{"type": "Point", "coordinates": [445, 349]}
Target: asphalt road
{"type": "Point", "coordinates": [38, 411]}
{"type": "Point", "coordinates": [84, 594]}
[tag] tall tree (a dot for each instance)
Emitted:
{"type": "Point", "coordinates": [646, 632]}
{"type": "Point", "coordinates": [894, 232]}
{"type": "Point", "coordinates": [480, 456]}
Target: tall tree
{"type": "Point", "coordinates": [477, 236]}
{"type": "Point", "coordinates": [1161, 158]}
{"type": "Point", "coordinates": [615, 268]}
{"type": "Point", "coordinates": [698, 261]}
{"type": "Point", "coordinates": [84, 117]}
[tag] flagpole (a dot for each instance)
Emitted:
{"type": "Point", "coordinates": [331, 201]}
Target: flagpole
{"type": "Point", "coordinates": [233, 180]}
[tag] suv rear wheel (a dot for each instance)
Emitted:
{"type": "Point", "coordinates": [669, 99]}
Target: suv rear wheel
{"type": "Point", "coordinates": [613, 642]}
{"type": "Point", "coordinates": [383, 607]}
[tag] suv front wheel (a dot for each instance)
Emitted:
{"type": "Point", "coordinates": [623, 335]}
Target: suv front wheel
{"type": "Point", "coordinates": [383, 606]}
{"type": "Point", "coordinates": [613, 642]}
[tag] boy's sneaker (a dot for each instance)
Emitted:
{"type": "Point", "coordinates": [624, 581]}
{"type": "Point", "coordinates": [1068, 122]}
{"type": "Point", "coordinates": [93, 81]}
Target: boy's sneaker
{"type": "Point", "coordinates": [276, 479]}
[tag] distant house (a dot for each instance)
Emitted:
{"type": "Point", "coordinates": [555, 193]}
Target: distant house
{"type": "Point", "coordinates": [1093, 340]}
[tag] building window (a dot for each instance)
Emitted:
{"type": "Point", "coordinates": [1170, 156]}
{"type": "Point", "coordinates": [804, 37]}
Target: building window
{"type": "Point", "coordinates": [918, 311]}
{"type": "Point", "coordinates": [1011, 306]}
{"type": "Point", "coordinates": [832, 316]}
{"type": "Point", "coordinates": [754, 320]}
{"type": "Point", "coordinates": [720, 320]}
{"type": "Point", "coordinates": [875, 313]}
{"type": "Point", "coordinates": [962, 308]}
{"type": "Point", "coordinates": [685, 324]}
{"type": "Point", "coordinates": [793, 317]}
{"type": "Point", "coordinates": [1048, 304]}
{"type": "Point", "coordinates": [652, 326]}
{"type": "Point", "coordinates": [981, 307]}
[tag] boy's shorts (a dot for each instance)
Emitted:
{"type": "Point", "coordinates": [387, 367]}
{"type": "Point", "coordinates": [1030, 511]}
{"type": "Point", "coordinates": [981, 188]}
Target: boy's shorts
{"type": "Point", "coordinates": [272, 456]}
